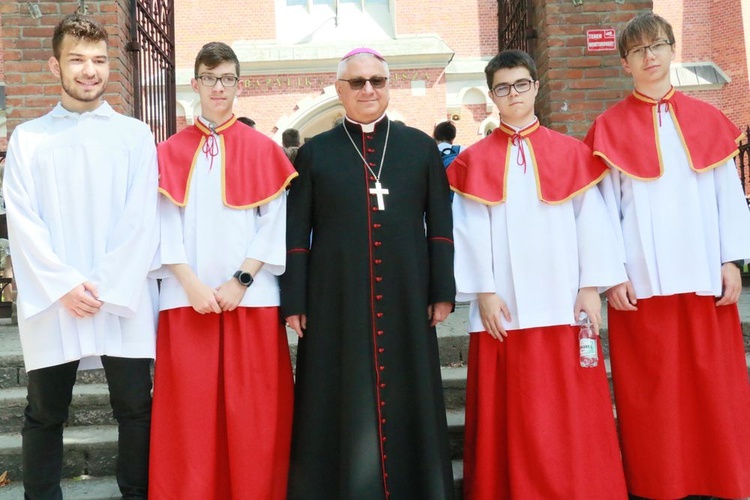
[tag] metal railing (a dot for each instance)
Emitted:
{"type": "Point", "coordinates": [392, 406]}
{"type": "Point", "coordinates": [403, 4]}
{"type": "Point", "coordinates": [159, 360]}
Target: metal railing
{"type": "Point", "coordinates": [152, 48]}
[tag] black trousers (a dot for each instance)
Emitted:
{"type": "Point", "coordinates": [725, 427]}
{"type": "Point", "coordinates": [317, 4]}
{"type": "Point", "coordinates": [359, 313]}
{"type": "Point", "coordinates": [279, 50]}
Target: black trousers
{"type": "Point", "coordinates": [50, 391]}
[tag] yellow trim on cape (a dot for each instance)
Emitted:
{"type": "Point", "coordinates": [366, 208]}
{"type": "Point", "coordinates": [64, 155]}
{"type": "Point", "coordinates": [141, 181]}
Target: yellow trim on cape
{"type": "Point", "coordinates": [189, 178]}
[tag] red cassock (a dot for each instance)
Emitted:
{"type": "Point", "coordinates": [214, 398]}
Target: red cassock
{"type": "Point", "coordinates": [538, 425]}
{"type": "Point", "coordinates": [223, 385]}
{"type": "Point", "coordinates": [678, 362]}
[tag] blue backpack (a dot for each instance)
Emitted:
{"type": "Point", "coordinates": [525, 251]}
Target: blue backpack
{"type": "Point", "coordinates": [449, 154]}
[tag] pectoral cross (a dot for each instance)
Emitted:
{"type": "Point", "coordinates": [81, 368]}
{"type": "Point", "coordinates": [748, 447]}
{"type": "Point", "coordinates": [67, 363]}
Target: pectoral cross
{"type": "Point", "coordinates": [379, 192]}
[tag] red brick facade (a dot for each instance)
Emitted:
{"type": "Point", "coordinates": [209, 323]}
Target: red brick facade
{"type": "Point", "coordinates": [577, 84]}
{"type": "Point", "coordinates": [31, 89]}
{"type": "Point", "coordinates": [714, 31]}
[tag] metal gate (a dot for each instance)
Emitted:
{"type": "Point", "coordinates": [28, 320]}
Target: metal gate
{"type": "Point", "coordinates": [514, 25]}
{"type": "Point", "coordinates": [152, 49]}
{"type": "Point", "coordinates": [743, 163]}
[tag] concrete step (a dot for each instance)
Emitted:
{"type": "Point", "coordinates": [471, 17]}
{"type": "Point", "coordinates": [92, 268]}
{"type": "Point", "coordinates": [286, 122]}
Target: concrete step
{"type": "Point", "coordinates": [79, 488]}
{"type": "Point", "coordinates": [89, 450]}
{"type": "Point", "coordinates": [105, 488]}
{"type": "Point", "coordinates": [90, 406]}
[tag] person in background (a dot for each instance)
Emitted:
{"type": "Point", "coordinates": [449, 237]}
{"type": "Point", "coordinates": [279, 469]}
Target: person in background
{"type": "Point", "coordinates": [290, 141]}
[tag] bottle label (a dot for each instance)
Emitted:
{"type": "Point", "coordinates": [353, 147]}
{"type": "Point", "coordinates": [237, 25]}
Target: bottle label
{"type": "Point", "coordinates": [587, 348]}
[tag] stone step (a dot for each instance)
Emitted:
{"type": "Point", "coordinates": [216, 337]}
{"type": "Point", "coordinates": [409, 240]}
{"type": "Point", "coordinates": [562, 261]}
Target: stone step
{"type": "Point", "coordinates": [78, 488]}
{"type": "Point", "coordinates": [105, 488]}
{"type": "Point", "coordinates": [90, 406]}
{"type": "Point", "coordinates": [89, 450]}
{"type": "Point", "coordinates": [92, 450]}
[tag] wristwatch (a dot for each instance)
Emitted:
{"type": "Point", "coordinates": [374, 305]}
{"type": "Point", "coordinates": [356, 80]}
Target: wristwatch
{"type": "Point", "coordinates": [245, 279]}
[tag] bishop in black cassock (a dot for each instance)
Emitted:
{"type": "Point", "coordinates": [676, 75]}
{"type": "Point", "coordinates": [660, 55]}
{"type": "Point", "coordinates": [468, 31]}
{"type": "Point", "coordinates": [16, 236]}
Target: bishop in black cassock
{"type": "Point", "coordinates": [365, 292]}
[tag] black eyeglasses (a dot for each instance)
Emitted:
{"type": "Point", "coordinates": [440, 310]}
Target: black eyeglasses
{"type": "Point", "coordinates": [210, 80]}
{"type": "Point", "coordinates": [521, 86]}
{"type": "Point", "coordinates": [377, 82]}
{"type": "Point", "coordinates": [656, 48]}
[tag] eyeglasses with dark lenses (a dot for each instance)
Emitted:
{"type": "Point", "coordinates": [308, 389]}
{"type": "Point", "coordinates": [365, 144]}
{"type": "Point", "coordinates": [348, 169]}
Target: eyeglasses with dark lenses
{"type": "Point", "coordinates": [521, 86]}
{"type": "Point", "coordinates": [210, 80]}
{"type": "Point", "coordinates": [656, 48]}
{"type": "Point", "coordinates": [377, 82]}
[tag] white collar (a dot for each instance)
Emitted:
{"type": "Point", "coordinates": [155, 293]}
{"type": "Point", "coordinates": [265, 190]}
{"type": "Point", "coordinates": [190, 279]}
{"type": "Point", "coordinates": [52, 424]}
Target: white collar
{"type": "Point", "coordinates": [520, 128]}
{"type": "Point", "coordinates": [104, 109]}
{"type": "Point", "coordinates": [366, 127]}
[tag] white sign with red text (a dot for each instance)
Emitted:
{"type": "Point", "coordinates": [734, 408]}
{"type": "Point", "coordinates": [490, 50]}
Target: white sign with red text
{"type": "Point", "coordinates": [601, 39]}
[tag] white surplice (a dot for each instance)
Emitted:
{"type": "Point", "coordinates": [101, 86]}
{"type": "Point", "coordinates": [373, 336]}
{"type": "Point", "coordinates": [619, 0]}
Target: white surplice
{"type": "Point", "coordinates": [534, 255]}
{"type": "Point", "coordinates": [214, 239]}
{"type": "Point", "coordinates": [81, 195]}
{"type": "Point", "coordinates": [680, 228]}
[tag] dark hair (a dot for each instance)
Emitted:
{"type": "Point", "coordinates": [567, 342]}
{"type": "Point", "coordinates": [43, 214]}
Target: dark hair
{"type": "Point", "coordinates": [647, 26]}
{"type": "Point", "coordinates": [213, 54]}
{"type": "Point", "coordinates": [444, 132]}
{"type": "Point", "coordinates": [247, 121]}
{"type": "Point", "coordinates": [79, 27]}
{"type": "Point", "coordinates": [290, 138]}
{"type": "Point", "coordinates": [509, 59]}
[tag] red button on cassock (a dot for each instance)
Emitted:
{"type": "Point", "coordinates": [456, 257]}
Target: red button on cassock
{"type": "Point", "coordinates": [381, 349]}
{"type": "Point", "coordinates": [378, 261]}
{"type": "Point", "coordinates": [382, 386]}
{"type": "Point", "coordinates": [376, 226]}
{"type": "Point", "coordinates": [381, 368]}
{"type": "Point", "coordinates": [374, 209]}
{"type": "Point", "coordinates": [377, 243]}
{"type": "Point", "coordinates": [379, 315]}
{"type": "Point", "coordinates": [382, 403]}
{"type": "Point", "coordinates": [378, 279]}
{"type": "Point", "coordinates": [378, 297]}
{"type": "Point", "coordinates": [380, 332]}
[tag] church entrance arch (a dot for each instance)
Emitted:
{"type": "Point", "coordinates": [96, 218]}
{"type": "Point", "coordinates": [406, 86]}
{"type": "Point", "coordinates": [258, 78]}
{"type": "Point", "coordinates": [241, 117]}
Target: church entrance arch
{"type": "Point", "coordinates": [313, 115]}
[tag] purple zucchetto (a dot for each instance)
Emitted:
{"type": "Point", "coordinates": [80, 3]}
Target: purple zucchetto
{"type": "Point", "coordinates": [363, 50]}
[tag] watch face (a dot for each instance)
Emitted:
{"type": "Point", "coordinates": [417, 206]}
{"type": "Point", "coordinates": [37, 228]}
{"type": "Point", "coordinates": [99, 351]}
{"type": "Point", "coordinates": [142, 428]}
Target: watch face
{"type": "Point", "coordinates": [246, 279]}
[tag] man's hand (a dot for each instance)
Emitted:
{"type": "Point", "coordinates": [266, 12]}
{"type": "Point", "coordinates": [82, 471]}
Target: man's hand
{"type": "Point", "coordinates": [230, 294]}
{"type": "Point", "coordinates": [437, 312]}
{"type": "Point", "coordinates": [491, 306]}
{"type": "Point", "coordinates": [589, 302]}
{"type": "Point", "coordinates": [82, 301]}
{"type": "Point", "coordinates": [731, 284]}
{"type": "Point", "coordinates": [622, 297]}
{"type": "Point", "coordinates": [298, 323]}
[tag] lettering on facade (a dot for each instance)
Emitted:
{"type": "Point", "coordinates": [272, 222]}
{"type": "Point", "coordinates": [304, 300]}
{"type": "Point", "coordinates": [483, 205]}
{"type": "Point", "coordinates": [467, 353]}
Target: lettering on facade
{"type": "Point", "coordinates": [315, 82]}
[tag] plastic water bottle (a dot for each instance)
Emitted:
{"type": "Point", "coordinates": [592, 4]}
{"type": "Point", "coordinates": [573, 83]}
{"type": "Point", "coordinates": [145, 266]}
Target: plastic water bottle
{"type": "Point", "coordinates": [587, 343]}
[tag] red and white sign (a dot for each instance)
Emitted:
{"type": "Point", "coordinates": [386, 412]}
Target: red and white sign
{"type": "Point", "coordinates": [603, 39]}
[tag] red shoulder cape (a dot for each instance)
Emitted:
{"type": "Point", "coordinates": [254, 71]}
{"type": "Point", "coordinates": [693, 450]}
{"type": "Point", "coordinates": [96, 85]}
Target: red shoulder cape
{"type": "Point", "coordinates": [254, 169]}
{"type": "Point", "coordinates": [563, 166]}
{"type": "Point", "coordinates": [625, 136]}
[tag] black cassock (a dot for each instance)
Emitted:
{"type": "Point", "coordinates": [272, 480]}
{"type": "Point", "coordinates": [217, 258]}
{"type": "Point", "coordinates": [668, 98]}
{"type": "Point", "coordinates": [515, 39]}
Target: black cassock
{"type": "Point", "coordinates": [369, 415]}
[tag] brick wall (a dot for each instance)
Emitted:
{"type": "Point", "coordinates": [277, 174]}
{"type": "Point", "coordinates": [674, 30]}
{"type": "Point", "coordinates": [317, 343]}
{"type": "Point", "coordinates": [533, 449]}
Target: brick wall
{"type": "Point", "coordinates": [198, 22]}
{"type": "Point", "coordinates": [469, 27]}
{"type": "Point", "coordinates": [31, 89]}
{"type": "Point", "coordinates": [714, 31]}
{"type": "Point", "coordinates": [578, 85]}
